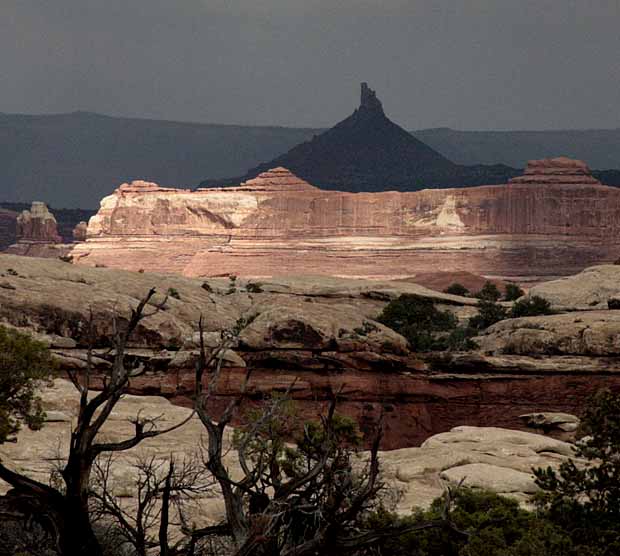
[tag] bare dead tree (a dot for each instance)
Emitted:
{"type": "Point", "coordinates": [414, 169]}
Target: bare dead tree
{"type": "Point", "coordinates": [291, 500]}
{"type": "Point", "coordinates": [288, 501]}
{"type": "Point", "coordinates": [65, 513]}
{"type": "Point", "coordinates": [163, 489]}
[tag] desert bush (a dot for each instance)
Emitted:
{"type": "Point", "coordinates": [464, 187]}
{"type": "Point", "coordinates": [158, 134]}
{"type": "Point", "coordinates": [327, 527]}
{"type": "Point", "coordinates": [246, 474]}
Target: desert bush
{"type": "Point", "coordinates": [489, 292]}
{"type": "Point", "coordinates": [512, 292]}
{"type": "Point", "coordinates": [173, 292]}
{"type": "Point", "coordinates": [485, 524]}
{"type": "Point", "coordinates": [531, 307]}
{"type": "Point", "coordinates": [251, 287]}
{"type": "Point", "coordinates": [232, 284]}
{"type": "Point", "coordinates": [457, 289]}
{"type": "Point", "coordinates": [418, 320]}
{"type": "Point", "coordinates": [585, 500]}
{"type": "Point", "coordinates": [460, 339]}
{"type": "Point", "coordinates": [24, 364]}
{"type": "Point", "coordinates": [489, 312]}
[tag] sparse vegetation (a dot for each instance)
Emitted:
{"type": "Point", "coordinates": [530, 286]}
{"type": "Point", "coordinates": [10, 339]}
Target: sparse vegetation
{"type": "Point", "coordinates": [457, 289]}
{"type": "Point", "coordinates": [251, 287]}
{"type": "Point", "coordinates": [585, 500]}
{"type": "Point", "coordinates": [489, 312]}
{"type": "Point", "coordinates": [174, 293]}
{"type": "Point", "coordinates": [232, 284]}
{"type": "Point", "coordinates": [512, 292]}
{"type": "Point", "coordinates": [205, 286]}
{"type": "Point", "coordinates": [489, 292]}
{"type": "Point", "coordinates": [24, 365]}
{"type": "Point", "coordinates": [460, 339]}
{"type": "Point", "coordinates": [418, 320]}
{"type": "Point", "coordinates": [366, 328]}
{"type": "Point", "coordinates": [531, 307]}
{"type": "Point", "coordinates": [484, 524]}
{"type": "Point", "coordinates": [425, 327]}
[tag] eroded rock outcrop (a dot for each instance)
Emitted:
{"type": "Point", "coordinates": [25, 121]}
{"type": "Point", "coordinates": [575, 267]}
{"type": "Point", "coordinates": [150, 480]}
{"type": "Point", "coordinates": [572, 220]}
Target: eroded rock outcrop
{"type": "Point", "coordinates": [553, 221]}
{"type": "Point", "coordinates": [37, 225]}
{"type": "Point", "coordinates": [80, 231]}
{"type": "Point", "coordinates": [320, 335]}
{"type": "Point", "coordinates": [589, 290]}
{"type": "Point", "coordinates": [37, 234]}
{"type": "Point", "coordinates": [560, 425]}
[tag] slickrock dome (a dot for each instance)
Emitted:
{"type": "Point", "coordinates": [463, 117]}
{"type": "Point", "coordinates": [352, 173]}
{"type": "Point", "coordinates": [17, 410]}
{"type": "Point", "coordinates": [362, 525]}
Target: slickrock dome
{"type": "Point", "coordinates": [561, 170]}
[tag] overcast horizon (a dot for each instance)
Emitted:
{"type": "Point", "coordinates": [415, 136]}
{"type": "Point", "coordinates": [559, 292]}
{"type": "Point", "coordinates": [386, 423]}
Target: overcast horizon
{"type": "Point", "coordinates": [480, 65]}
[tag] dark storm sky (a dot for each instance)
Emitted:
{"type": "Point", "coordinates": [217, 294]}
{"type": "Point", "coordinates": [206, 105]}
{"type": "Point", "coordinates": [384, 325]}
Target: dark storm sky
{"type": "Point", "coordinates": [469, 64]}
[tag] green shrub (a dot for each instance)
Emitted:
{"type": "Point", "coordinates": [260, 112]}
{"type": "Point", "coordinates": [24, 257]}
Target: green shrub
{"type": "Point", "coordinates": [489, 313]}
{"type": "Point", "coordinates": [512, 292]}
{"type": "Point", "coordinates": [531, 307]}
{"type": "Point", "coordinates": [418, 320]}
{"type": "Point", "coordinates": [173, 292]}
{"type": "Point", "coordinates": [460, 339]}
{"type": "Point", "coordinates": [489, 292]}
{"type": "Point", "coordinates": [457, 289]}
{"type": "Point", "coordinates": [586, 499]}
{"type": "Point", "coordinates": [24, 363]}
{"type": "Point", "coordinates": [485, 524]}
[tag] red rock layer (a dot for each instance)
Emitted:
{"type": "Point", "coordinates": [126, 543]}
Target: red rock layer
{"type": "Point", "coordinates": [414, 405]}
{"type": "Point", "coordinates": [554, 220]}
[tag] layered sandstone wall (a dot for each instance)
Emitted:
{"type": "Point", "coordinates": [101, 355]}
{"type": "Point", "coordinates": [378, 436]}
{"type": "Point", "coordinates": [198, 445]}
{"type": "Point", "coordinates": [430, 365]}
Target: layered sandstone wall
{"type": "Point", "coordinates": [556, 219]}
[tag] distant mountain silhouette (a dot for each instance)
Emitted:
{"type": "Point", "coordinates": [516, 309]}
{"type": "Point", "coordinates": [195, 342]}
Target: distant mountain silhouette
{"type": "Point", "coordinates": [600, 148]}
{"type": "Point", "coordinates": [73, 160]}
{"type": "Point", "coordinates": [369, 152]}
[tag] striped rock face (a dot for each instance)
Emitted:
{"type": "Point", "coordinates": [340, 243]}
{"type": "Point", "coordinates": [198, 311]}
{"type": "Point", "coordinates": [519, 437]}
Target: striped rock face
{"type": "Point", "coordinates": [554, 220]}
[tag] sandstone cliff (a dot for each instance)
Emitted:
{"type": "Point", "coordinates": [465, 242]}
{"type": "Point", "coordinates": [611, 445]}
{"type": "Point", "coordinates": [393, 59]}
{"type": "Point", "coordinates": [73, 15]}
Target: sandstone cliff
{"type": "Point", "coordinates": [553, 221]}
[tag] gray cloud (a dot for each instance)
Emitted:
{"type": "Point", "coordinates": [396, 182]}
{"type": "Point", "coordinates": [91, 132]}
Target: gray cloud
{"type": "Point", "coordinates": [471, 64]}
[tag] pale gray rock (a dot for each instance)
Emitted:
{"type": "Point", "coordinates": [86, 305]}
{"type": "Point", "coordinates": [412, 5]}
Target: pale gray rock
{"type": "Point", "coordinates": [589, 290]}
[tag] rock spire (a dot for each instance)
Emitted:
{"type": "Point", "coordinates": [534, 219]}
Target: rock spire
{"type": "Point", "coordinates": [37, 225]}
{"type": "Point", "coordinates": [369, 100]}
